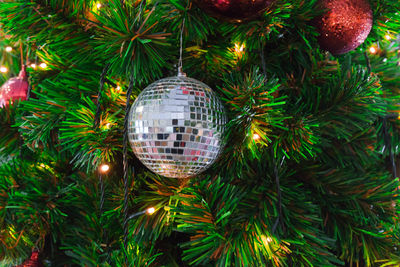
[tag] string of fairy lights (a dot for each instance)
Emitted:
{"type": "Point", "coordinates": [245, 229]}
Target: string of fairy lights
{"type": "Point", "coordinates": [104, 169]}
{"type": "Point", "coordinates": [374, 49]}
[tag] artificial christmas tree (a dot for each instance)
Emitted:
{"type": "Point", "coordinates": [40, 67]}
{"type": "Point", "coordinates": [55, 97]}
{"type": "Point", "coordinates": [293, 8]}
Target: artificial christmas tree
{"type": "Point", "coordinates": [308, 173]}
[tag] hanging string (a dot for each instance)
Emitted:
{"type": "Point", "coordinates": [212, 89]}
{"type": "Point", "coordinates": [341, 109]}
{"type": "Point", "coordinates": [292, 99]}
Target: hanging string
{"type": "Point", "coordinates": [126, 166]}
{"type": "Point", "coordinates": [27, 52]}
{"type": "Point", "coordinates": [20, 139]}
{"type": "Point", "coordinates": [180, 64]}
{"type": "Point", "coordinates": [22, 53]}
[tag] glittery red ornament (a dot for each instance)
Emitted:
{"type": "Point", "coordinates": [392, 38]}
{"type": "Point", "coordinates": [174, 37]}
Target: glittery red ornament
{"type": "Point", "coordinates": [234, 10]}
{"type": "Point", "coordinates": [15, 88]}
{"type": "Point", "coordinates": [344, 26]}
{"type": "Point", "coordinates": [33, 261]}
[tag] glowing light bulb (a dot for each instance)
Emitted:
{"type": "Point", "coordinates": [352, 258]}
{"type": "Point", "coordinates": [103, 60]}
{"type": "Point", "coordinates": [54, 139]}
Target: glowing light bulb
{"type": "Point", "coordinates": [150, 211]}
{"type": "Point", "coordinates": [3, 69]}
{"type": "Point", "coordinates": [9, 49]}
{"type": "Point", "coordinates": [239, 49]}
{"type": "Point", "coordinates": [256, 137]}
{"type": "Point", "coordinates": [98, 5]}
{"type": "Point", "coordinates": [372, 50]}
{"type": "Point", "coordinates": [104, 168]}
{"type": "Point", "coordinates": [265, 239]}
{"type": "Point", "coordinates": [43, 65]}
{"type": "Point", "coordinates": [33, 65]}
{"type": "Point", "coordinates": [387, 37]}
{"type": "Point", "coordinates": [118, 88]}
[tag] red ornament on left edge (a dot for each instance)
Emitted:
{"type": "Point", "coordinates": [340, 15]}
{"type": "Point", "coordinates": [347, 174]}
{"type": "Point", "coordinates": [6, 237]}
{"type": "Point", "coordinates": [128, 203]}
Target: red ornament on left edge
{"type": "Point", "coordinates": [33, 261]}
{"type": "Point", "coordinates": [15, 88]}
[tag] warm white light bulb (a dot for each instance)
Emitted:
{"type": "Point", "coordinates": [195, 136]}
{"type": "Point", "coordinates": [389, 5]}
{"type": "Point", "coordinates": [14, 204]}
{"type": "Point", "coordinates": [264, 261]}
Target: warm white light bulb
{"type": "Point", "coordinates": [266, 239]}
{"type": "Point", "coordinates": [98, 5]}
{"type": "Point", "coordinates": [256, 137]}
{"type": "Point", "coordinates": [387, 37]}
{"type": "Point", "coordinates": [372, 49]}
{"type": "Point", "coordinates": [43, 65]}
{"type": "Point", "coordinates": [150, 211]}
{"type": "Point", "coordinates": [104, 168]}
{"type": "Point", "coordinates": [9, 49]}
{"type": "Point", "coordinates": [118, 88]}
{"type": "Point", "coordinates": [33, 65]}
{"type": "Point", "coordinates": [239, 48]}
{"type": "Point", "coordinates": [3, 69]}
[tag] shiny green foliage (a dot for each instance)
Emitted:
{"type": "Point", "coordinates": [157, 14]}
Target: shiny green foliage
{"type": "Point", "coordinates": [255, 108]}
{"type": "Point", "coordinates": [9, 141]}
{"type": "Point", "coordinates": [133, 37]}
{"type": "Point", "coordinates": [368, 192]}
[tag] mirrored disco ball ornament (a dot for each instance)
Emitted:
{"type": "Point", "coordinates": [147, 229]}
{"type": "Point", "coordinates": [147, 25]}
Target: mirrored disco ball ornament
{"type": "Point", "coordinates": [176, 126]}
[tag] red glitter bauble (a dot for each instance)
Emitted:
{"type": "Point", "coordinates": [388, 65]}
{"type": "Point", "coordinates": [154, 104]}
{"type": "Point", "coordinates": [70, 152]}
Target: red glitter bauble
{"type": "Point", "coordinates": [344, 26]}
{"type": "Point", "coordinates": [15, 88]}
{"type": "Point", "coordinates": [234, 10]}
{"type": "Point", "coordinates": [33, 261]}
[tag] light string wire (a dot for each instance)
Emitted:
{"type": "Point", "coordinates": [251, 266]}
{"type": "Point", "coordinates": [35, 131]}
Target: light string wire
{"type": "Point", "coordinates": [103, 75]}
{"type": "Point", "coordinates": [276, 171]}
{"type": "Point", "coordinates": [126, 167]}
{"type": "Point", "coordinates": [96, 124]}
{"type": "Point", "coordinates": [125, 154]}
{"type": "Point", "coordinates": [388, 144]}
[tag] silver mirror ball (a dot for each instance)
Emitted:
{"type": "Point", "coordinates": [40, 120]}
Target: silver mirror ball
{"type": "Point", "coordinates": [176, 127]}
